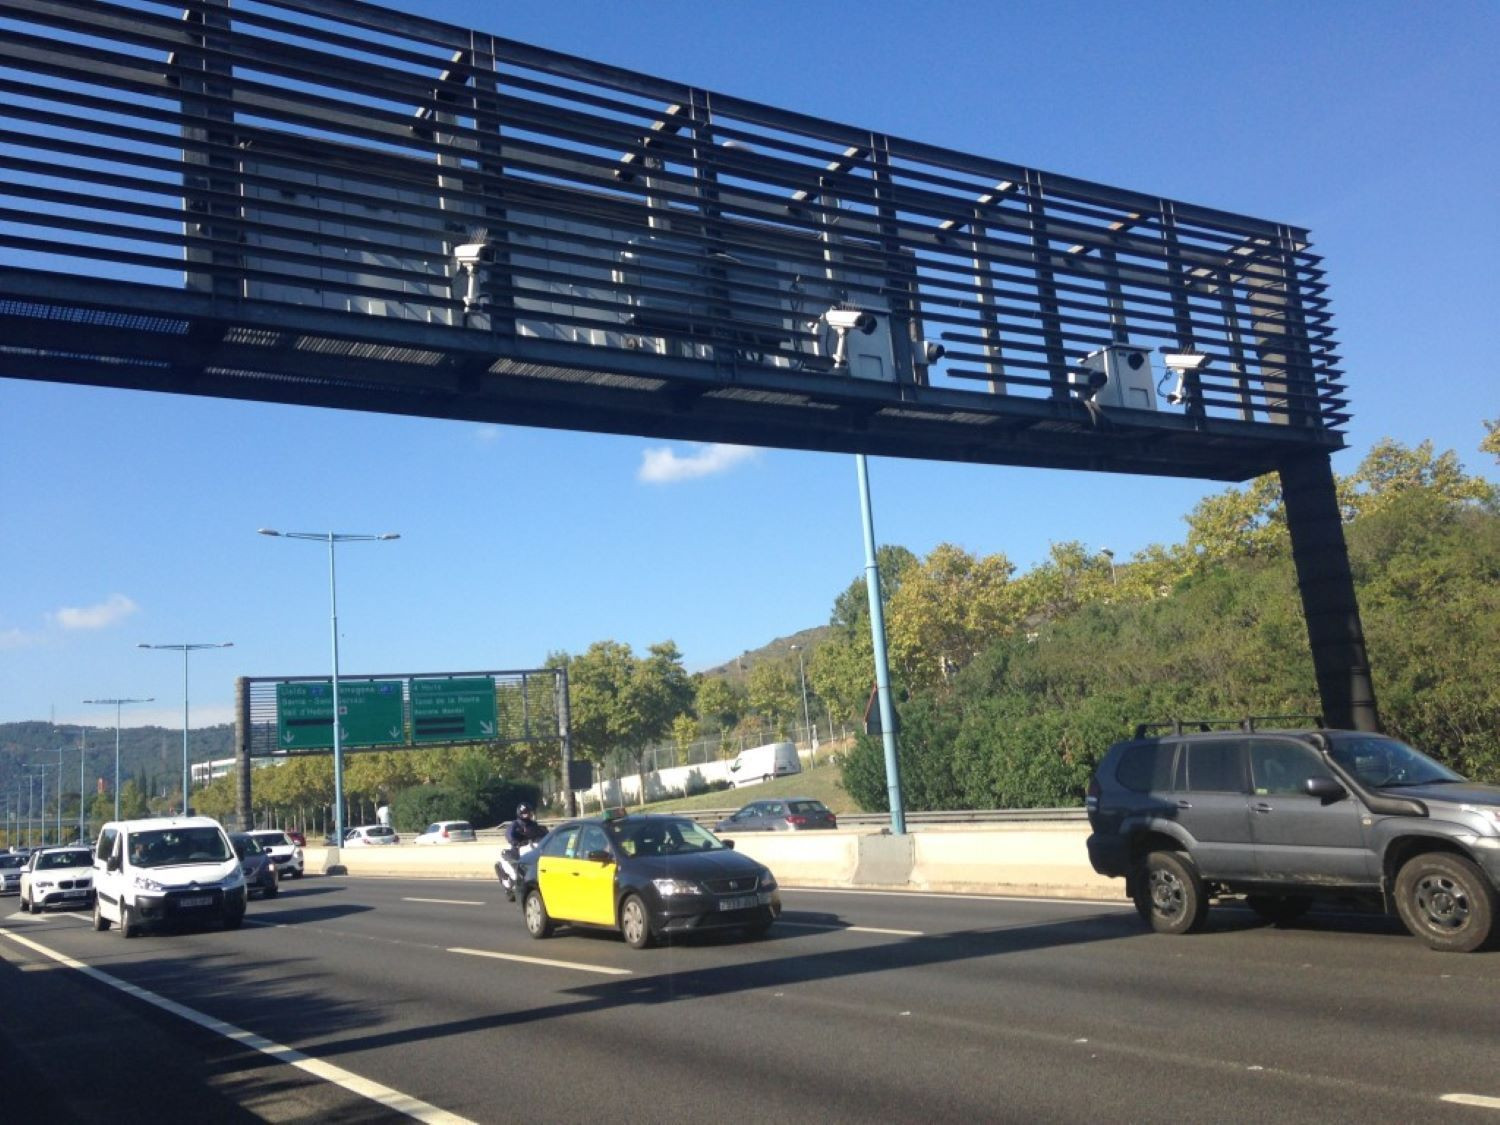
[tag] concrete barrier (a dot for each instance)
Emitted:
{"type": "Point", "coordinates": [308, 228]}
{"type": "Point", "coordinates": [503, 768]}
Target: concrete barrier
{"type": "Point", "coordinates": [1003, 859]}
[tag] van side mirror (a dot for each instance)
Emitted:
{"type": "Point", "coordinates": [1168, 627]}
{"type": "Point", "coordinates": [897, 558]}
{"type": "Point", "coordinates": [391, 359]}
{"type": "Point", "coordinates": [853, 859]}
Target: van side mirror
{"type": "Point", "coordinates": [112, 863]}
{"type": "Point", "coordinates": [1326, 789]}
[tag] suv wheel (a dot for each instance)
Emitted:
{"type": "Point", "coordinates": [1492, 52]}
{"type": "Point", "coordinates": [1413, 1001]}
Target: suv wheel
{"type": "Point", "coordinates": [1446, 901]}
{"type": "Point", "coordinates": [1170, 895]}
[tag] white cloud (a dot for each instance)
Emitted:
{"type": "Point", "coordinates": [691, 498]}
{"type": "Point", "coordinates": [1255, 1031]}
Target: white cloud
{"type": "Point", "coordinates": [111, 611]}
{"type": "Point", "coordinates": [664, 466]}
{"type": "Point", "coordinates": [487, 435]}
{"type": "Point", "coordinates": [15, 638]}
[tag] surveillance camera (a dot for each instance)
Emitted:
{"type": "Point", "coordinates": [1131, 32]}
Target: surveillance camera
{"type": "Point", "coordinates": [848, 320]}
{"type": "Point", "coordinates": [930, 352]}
{"type": "Point", "coordinates": [1185, 362]}
{"type": "Point", "coordinates": [471, 254]}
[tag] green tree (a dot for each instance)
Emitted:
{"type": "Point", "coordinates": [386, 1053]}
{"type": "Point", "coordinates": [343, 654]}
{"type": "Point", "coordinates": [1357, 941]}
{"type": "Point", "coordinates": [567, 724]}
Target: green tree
{"type": "Point", "coordinates": [947, 609]}
{"type": "Point", "coordinates": [775, 691]}
{"type": "Point", "coordinates": [851, 609]}
{"type": "Point", "coordinates": [132, 800]}
{"type": "Point", "coordinates": [1491, 442]}
{"type": "Point", "coordinates": [718, 702]}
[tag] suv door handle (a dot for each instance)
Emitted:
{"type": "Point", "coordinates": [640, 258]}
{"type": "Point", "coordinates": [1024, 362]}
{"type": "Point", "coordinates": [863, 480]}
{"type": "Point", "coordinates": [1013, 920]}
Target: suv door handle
{"type": "Point", "coordinates": [1184, 803]}
{"type": "Point", "coordinates": [1262, 807]}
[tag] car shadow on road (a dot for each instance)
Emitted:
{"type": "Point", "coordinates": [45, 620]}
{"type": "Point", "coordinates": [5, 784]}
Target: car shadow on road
{"type": "Point", "coordinates": [675, 984]}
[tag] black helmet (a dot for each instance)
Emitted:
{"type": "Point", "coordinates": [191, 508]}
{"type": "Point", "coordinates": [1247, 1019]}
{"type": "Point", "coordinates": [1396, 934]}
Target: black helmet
{"type": "Point", "coordinates": [523, 809]}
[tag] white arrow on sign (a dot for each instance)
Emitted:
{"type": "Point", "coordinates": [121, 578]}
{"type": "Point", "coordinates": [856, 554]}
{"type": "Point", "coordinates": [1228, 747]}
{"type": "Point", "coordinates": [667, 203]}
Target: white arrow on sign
{"type": "Point", "coordinates": [394, 732]}
{"type": "Point", "coordinates": [289, 738]}
{"type": "Point", "coordinates": [486, 728]}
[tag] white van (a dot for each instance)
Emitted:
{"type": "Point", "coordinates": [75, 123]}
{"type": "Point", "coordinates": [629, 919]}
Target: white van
{"type": "Point", "coordinates": [168, 870]}
{"type": "Point", "coordinates": [761, 763]}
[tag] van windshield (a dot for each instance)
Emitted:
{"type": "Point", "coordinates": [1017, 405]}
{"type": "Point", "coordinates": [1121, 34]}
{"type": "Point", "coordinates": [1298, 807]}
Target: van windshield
{"type": "Point", "coordinates": [169, 847]}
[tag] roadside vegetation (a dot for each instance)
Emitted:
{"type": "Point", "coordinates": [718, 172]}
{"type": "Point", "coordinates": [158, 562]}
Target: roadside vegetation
{"type": "Point", "coordinates": [1010, 686]}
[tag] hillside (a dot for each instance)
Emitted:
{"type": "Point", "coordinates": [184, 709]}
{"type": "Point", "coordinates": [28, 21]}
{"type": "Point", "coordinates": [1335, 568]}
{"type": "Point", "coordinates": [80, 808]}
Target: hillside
{"type": "Point", "coordinates": [738, 669]}
{"type": "Point", "coordinates": [152, 755]}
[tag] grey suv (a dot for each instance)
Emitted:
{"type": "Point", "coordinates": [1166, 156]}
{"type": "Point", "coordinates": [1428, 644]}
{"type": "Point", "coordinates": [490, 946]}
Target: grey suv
{"type": "Point", "coordinates": [1186, 814]}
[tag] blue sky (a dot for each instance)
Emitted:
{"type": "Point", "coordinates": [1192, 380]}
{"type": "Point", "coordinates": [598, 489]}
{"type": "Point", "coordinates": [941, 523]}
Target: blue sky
{"type": "Point", "coordinates": [132, 517]}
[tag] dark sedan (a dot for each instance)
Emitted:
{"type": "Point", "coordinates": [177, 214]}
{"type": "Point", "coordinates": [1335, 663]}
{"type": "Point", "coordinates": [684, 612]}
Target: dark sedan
{"type": "Point", "coordinates": [261, 876]}
{"type": "Point", "coordinates": [786, 814]}
{"type": "Point", "coordinates": [648, 876]}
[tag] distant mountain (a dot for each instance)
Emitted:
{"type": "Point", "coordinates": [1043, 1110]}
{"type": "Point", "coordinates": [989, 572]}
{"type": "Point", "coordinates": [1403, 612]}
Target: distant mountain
{"type": "Point", "coordinates": [738, 669]}
{"type": "Point", "coordinates": [152, 755]}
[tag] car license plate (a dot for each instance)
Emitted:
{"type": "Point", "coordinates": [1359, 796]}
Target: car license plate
{"type": "Point", "coordinates": [74, 894]}
{"type": "Point", "coordinates": [739, 902]}
{"type": "Point", "coordinates": [196, 900]}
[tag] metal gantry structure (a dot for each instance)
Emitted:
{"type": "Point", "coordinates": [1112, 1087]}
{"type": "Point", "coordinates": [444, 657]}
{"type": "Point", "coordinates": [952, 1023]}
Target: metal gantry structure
{"type": "Point", "coordinates": [332, 203]}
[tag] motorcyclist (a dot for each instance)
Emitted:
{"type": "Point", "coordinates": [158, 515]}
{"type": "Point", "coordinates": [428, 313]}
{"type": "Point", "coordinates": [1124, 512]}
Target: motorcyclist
{"type": "Point", "coordinates": [522, 834]}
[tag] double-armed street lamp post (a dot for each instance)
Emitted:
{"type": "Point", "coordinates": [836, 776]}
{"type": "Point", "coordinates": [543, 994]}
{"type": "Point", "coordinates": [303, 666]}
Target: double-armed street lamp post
{"type": "Point", "coordinates": [802, 676]}
{"type": "Point", "coordinates": [118, 703]}
{"type": "Point", "coordinates": [332, 538]}
{"type": "Point", "coordinates": [185, 649]}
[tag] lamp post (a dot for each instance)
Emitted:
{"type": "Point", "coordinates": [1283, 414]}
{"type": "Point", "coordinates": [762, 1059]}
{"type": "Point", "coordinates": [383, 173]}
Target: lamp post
{"type": "Point", "coordinates": [31, 801]}
{"type": "Point", "coordinates": [118, 703]}
{"type": "Point", "coordinates": [59, 752]}
{"type": "Point", "coordinates": [1110, 555]}
{"type": "Point", "coordinates": [185, 649]}
{"type": "Point", "coordinates": [333, 538]}
{"type": "Point", "coordinates": [802, 676]}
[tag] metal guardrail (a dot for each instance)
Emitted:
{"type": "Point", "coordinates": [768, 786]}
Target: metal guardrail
{"type": "Point", "coordinates": [710, 817]}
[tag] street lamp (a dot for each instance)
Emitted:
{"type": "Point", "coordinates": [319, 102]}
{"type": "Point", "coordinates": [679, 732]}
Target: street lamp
{"type": "Point", "coordinates": [118, 703]}
{"type": "Point", "coordinates": [1110, 555]}
{"type": "Point", "coordinates": [59, 752]}
{"type": "Point", "coordinates": [801, 675]}
{"type": "Point", "coordinates": [31, 801]}
{"type": "Point", "coordinates": [185, 649]}
{"type": "Point", "coordinates": [332, 538]}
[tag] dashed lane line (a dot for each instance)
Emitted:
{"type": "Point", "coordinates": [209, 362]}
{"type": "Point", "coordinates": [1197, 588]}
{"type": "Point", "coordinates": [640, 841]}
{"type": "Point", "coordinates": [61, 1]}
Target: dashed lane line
{"type": "Point", "coordinates": [448, 901]}
{"type": "Point", "coordinates": [849, 929]}
{"type": "Point", "coordinates": [578, 965]}
{"type": "Point", "coordinates": [337, 1075]}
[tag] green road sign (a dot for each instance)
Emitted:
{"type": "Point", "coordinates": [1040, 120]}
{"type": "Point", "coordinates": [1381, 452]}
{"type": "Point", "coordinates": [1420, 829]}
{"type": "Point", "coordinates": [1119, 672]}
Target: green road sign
{"type": "Point", "coordinates": [370, 714]}
{"type": "Point", "coordinates": [457, 709]}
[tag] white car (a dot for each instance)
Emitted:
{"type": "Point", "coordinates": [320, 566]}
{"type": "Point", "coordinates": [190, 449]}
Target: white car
{"type": "Point", "coordinates": [370, 834]}
{"type": "Point", "coordinates": [56, 877]}
{"type": "Point", "coordinates": [283, 850]}
{"type": "Point", "coordinates": [166, 871]}
{"type": "Point", "coordinates": [447, 832]}
{"type": "Point", "coordinates": [10, 872]}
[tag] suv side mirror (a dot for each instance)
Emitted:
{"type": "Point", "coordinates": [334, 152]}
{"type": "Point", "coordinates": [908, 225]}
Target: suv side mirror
{"type": "Point", "coordinates": [1326, 789]}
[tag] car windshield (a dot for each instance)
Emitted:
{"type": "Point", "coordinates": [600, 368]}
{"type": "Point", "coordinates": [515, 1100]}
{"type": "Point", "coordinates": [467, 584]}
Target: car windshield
{"type": "Point", "coordinates": [12, 860]}
{"type": "Point", "coordinates": [1384, 763]}
{"type": "Point", "coordinates": [246, 846]}
{"type": "Point", "coordinates": [663, 837]}
{"type": "Point", "coordinates": [165, 847]}
{"type": "Point", "coordinates": [272, 839]}
{"type": "Point", "coordinates": [49, 860]}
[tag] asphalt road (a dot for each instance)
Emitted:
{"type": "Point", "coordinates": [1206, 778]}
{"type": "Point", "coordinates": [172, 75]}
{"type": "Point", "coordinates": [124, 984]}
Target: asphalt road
{"type": "Point", "coordinates": [369, 1000]}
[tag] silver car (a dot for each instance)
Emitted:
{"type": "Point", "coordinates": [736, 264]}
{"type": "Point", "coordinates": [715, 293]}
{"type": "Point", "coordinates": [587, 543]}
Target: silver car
{"type": "Point", "coordinates": [10, 872]}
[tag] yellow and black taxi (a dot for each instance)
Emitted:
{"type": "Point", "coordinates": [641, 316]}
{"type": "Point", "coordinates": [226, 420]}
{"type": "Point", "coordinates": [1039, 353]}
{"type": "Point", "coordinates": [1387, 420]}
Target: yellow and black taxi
{"type": "Point", "coordinates": [650, 876]}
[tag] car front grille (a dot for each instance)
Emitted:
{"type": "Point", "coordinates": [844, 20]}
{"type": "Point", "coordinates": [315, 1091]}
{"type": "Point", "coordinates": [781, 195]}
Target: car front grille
{"type": "Point", "coordinates": [739, 885]}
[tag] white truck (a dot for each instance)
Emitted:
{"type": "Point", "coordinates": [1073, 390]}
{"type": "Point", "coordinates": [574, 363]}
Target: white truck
{"type": "Point", "coordinates": [761, 763]}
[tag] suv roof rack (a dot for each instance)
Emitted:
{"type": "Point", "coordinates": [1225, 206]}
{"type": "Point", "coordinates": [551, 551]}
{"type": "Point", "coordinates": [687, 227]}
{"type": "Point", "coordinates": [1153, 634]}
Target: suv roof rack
{"type": "Point", "coordinates": [1248, 723]}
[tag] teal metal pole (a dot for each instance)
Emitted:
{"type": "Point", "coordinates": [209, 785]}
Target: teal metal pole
{"type": "Point", "coordinates": [882, 671]}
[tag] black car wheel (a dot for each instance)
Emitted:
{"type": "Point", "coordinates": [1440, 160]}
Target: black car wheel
{"type": "Point", "coordinates": [273, 890]}
{"type": "Point", "coordinates": [1170, 895]}
{"type": "Point", "coordinates": [635, 923]}
{"type": "Point", "coordinates": [1446, 901]}
{"type": "Point", "coordinates": [1278, 909]}
{"type": "Point", "coordinates": [128, 927]}
{"type": "Point", "coordinates": [101, 923]}
{"type": "Point", "coordinates": [538, 923]}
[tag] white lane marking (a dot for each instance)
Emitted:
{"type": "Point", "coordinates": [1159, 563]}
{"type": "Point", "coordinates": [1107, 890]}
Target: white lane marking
{"type": "Point", "coordinates": [1479, 1100]}
{"type": "Point", "coordinates": [337, 1075]}
{"type": "Point", "coordinates": [447, 901]}
{"type": "Point", "coordinates": [929, 895]}
{"type": "Point", "coordinates": [849, 929]}
{"type": "Point", "coordinates": [580, 966]}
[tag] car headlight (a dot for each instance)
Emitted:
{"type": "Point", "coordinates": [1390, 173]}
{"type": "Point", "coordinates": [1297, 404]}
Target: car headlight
{"type": "Point", "coordinates": [669, 887]}
{"type": "Point", "coordinates": [767, 881]}
{"type": "Point", "coordinates": [146, 883]}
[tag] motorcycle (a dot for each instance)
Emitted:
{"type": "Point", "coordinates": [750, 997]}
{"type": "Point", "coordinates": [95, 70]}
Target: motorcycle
{"type": "Point", "coordinates": [507, 869]}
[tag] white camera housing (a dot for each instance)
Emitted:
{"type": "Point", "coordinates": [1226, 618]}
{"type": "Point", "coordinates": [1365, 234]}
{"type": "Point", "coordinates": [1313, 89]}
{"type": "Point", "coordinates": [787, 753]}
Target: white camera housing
{"type": "Point", "coordinates": [1185, 362]}
{"type": "Point", "coordinates": [471, 254]}
{"type": "Point", "coordinates": [850, 320]}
